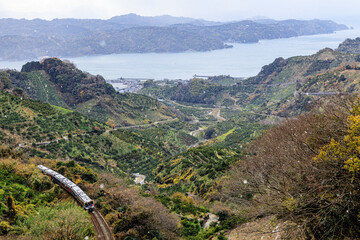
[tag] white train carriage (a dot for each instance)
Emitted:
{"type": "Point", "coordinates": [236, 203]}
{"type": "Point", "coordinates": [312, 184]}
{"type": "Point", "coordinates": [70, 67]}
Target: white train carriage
{"type": "Point", "coordinates": [69, 186]}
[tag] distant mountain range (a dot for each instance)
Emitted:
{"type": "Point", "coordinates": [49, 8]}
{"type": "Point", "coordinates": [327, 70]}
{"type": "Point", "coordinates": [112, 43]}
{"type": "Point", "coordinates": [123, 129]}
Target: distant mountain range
{"type": "Point", "coordinates": [160, 21]}
{"type": "Point", "coordinates": [22, 39]}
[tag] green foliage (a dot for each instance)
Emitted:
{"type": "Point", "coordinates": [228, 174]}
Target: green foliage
{"type": "Point", "coordinates": [149, 83]}
{"type": "Point", "coordinates": [41, 88]}
{"type": "Point", "coordinates": [5, 227]}
{"type": "Point", "coordinates": [180, 204]}
{"type": "Point", "coordinates": [224, 80]}
{"type": "Point", "coordinates": [197, 91]}
{"type": "Point", "coordinates": [23, 190]}
{"type": "Point", "coordinates": [195, 170]}
{"type": "Point", "coordinates": [61, 221]}
{"type": "Point", "coordinates": [34, 118]}
{"type": "Point", "coordinates": [31, 66]}
{"type": "Point", "coordinates": [11, 213]}
{"type": "Point", "coordinates": [60, 83]}
{"type": "Point", "coordinates": [85, 144]}
{"type": "Point", "coordinates": [305, 171]}
{"type": "Point", "coordinates": [191, 227]}
{"type": "Point", "coordinates": [27, 203]}
{"type": "Point", "coordinates": [209, 133]}
{"type": "Point", "coordinates": [193, 217]}
{"type": "Point", "coordinates": [5, 82]}
{"type": "Point", "coordinates": [81, 86]}
{"type": "Point", "coordinates": [172, 138]}
{"type": "Point", "coordinates": [76, 172]}
{"type": "Point", "coordinates": [237, 134]}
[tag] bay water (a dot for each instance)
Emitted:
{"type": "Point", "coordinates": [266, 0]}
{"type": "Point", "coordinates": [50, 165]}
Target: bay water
{"type": "Point", "coordinates": [243, 60]}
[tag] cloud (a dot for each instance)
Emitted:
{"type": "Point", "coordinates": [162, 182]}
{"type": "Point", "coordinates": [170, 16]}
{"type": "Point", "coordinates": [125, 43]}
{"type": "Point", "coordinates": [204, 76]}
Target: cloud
{"type": "Point", "coordinates": [208, 9]}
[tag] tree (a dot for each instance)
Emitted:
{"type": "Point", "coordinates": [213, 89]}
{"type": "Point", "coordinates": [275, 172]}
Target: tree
{"type": "Point", "coordinates": [304, 170]}
{"type": "Point", "coordinates": [5, 81]}
{"type": "Point", "coordinates": [346, 151]}
{"type": "Point", "coordinates": [209, 132]}
{"type": "Point", "coordinates": [110, 123]}
{"type": "Point", "coordinates": [149, 83]}
{"type": "Point", "coordinates": [12, 213]}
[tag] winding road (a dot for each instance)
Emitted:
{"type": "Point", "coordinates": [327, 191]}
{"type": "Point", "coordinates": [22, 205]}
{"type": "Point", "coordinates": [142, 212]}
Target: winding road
{"type": "Point", "coordinates": [216, 114]}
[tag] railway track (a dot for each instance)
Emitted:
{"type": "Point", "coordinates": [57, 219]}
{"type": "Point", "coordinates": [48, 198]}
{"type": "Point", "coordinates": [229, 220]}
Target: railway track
{"type": "Point", "coordinates": [102, 230]}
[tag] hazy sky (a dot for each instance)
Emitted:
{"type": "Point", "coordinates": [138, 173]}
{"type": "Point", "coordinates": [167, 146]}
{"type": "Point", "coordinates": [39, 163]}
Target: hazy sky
{"type": "Point", "coordinates": [207, 9]}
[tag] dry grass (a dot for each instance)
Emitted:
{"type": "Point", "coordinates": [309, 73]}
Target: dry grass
{"type": "Point", "coordinates": [265, 228]}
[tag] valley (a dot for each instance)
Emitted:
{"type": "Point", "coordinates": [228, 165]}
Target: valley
{"type": "Point", "coordinates": [261, 150]}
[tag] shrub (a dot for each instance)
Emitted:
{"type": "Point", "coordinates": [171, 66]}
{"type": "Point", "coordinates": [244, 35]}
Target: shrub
{"type": "Point", "coordinates": [4, 227]}
{"type": "Point", "coordinates": [62, 221]}
{"type": "Point", "coordinates": [191, 227]}
{"type": "Point", "coordinates": [282, 177]}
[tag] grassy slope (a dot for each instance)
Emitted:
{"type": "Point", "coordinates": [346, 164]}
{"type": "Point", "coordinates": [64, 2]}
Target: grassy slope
{"type": "Point", "coordinates": [197, 169]}
{"type": "Point", "coordinates": [30, 202]}
{"type": "Point", "coordinates": [74, 136]}
{"type": "Point", "coordinates": [137, 151]}
{"type": "Point", "coordinates": [261, 98]}
{"type": "Point", "coordinates": [43, 89]}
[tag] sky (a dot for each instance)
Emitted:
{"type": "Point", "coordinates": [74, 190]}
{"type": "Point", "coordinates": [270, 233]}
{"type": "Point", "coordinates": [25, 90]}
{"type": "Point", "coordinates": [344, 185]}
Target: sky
{"type": "Point", "coordinates": [216, 10]}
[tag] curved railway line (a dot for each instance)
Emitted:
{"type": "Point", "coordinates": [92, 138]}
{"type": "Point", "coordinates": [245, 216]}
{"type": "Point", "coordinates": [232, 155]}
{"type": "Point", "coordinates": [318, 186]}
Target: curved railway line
{"type": "Point", "coordinates": [102, 229]}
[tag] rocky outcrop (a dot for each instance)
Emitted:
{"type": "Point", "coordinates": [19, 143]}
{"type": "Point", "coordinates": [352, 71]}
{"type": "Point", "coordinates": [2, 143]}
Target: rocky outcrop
{"type": "Point", "coordinates": [350, 46]}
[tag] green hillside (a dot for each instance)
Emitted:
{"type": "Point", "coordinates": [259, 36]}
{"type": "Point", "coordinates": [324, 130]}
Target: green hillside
{"type": "Point", "coordinates": [30, 203]}
{"type": "Point", "coordinates": [235, 155]}
{"type": "Point", "coordinates": [38, 129]}
{"type": "Point", "coordinates": [61, 83]}
{"type": "Point", "coordinates": [32, 132]}
{"type": "Point", "coordinates": [31, 39]}
{"type": "Point", "coordinates": [268, 93]}
{"type": "Point", "coordinates": [284, 88]}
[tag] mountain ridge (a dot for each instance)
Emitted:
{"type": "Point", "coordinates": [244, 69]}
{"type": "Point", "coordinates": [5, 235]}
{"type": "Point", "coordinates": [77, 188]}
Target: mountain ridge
{"type": "Point", "coordinates": [60, 83]}
{"type": "Point", "coordinates": [282, 88]}
{"type": "Point", "coordinates": [240, 182]}
{"type": "Point", "coordinates": [33, 39]}
{"type": "Point", "coordinates": [163, 20]}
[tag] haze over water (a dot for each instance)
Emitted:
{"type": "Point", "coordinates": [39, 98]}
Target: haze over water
{"type": "Point", "coordinates": [243, 60]}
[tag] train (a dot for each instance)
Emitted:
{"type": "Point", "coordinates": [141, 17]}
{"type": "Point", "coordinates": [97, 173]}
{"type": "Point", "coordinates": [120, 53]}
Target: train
{"type": "Point", "coordinates": [86, 202]}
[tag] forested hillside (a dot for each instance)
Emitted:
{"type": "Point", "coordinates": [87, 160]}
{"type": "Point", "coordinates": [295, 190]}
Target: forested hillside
{"type": "Point", "coordinates": [32, 39]}
{"type": "Point", "coordinates": [278, 151]}
{"type": "Point", "coordinates": [305, 172]}
{"type": "Point", "coordinates": [282, 88]}
{"type": "Point", "coordinates": [33, 132]}
{"type": "Point", "coordinates": [38, 129]}
{"type": "Point", "coordinates": [61, 83]}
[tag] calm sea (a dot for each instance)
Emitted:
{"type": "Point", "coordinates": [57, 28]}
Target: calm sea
{"type": "Point", "coordinates": [243, 60]}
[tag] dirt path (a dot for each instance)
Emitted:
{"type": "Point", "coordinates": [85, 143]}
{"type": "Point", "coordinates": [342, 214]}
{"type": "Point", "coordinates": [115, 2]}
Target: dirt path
{"type": "Point", "coordinates": [216, 113]}
{"type": "Point", "coordinates": [267, 228]}
{"type": "Point", "coordinates": [187, 106]}
{"type": "Point", "coordinates": [149, 124]}
{"type": "Point", "coordinates": [195, 132]}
